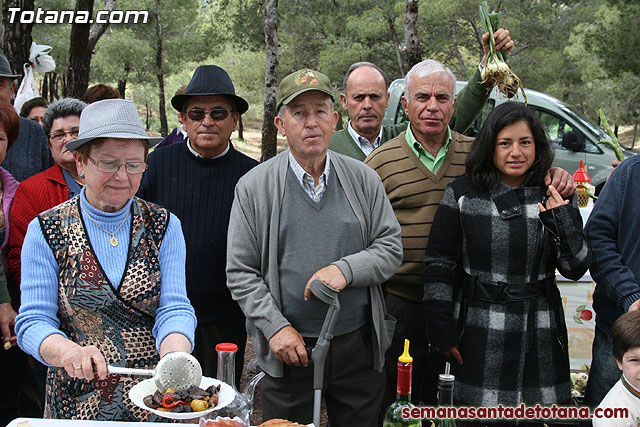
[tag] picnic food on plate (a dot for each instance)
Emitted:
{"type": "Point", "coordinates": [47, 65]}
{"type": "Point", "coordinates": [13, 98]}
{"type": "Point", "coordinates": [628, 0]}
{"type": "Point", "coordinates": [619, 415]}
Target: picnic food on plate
{"type": "Point", "coordinates": [193, 399]}
{"type": "Point", "coordinates": [222, 422]}
{"type": "Point", "coordinates": [278, 422]}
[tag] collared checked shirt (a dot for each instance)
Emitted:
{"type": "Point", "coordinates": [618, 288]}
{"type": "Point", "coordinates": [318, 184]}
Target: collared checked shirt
{"type": "Point", "coordinates": [363, 142]}
{"type": "Point", "coordinates": [431, 163]}
{"type": "Point", "coordinates": [306, 180]}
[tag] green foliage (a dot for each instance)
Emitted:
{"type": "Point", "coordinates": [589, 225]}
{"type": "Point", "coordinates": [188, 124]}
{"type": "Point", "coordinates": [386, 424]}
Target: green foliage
{"type": "Point", "coordinates": [617, 37]}
{"type": "Point", "coordinates": [246, 69]}
{"type": "Point", "coordinates": [583, 52]}
{"type": "Point", "coordinates": [238, 22]}
{"type": "Point", "coordinates": [604, 80]}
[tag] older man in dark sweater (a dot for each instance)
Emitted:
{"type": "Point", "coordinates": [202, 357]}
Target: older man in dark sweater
{"type": "Point", "coordinates": [195, 180]}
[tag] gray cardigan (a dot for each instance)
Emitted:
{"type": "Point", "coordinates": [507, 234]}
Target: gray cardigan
{"type": "Point", "coordinates": [252, 250]}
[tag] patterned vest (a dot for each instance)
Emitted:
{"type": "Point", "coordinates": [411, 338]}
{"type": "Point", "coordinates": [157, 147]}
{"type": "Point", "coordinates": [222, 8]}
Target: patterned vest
{"type": "Point", "coordinates": [92, 312]}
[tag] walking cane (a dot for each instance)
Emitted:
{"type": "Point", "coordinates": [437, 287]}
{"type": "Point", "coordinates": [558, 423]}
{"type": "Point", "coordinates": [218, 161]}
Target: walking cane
{"type": "Point", "coordinates": [329, 296]}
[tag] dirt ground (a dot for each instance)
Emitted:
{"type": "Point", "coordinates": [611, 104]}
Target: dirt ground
{"type": "Point", "coordinates": [252, 141]}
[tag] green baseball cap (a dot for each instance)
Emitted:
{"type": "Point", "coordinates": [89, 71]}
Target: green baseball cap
{"type": "Point", "coordinates": [299, 82]}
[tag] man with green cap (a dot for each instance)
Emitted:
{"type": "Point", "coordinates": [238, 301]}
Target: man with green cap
{"type": "Point", "coordinates": [313, 214]}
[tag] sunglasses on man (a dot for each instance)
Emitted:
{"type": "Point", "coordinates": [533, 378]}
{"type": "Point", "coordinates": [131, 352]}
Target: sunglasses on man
{"type": "Point", "coordinates": [217, 114]}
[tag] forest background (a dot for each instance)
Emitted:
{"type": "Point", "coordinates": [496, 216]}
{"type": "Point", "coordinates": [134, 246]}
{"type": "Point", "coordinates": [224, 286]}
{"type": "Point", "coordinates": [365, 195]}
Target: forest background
{"type": "Point", "coordinates": [583, 52]}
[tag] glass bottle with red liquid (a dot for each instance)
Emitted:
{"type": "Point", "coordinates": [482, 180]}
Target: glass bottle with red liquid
{"type": "Point", "coordinates": [402, 405]}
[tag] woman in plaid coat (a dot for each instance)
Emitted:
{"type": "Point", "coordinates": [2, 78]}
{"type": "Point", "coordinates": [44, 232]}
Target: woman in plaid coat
{"type": "Point", "coordinates": [496, 241]}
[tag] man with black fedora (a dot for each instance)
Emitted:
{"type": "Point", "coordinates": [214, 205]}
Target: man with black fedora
{"type": "Point", "coordinates": [30, 153]}
{"type": "Point", "coordinates": [195, 180]}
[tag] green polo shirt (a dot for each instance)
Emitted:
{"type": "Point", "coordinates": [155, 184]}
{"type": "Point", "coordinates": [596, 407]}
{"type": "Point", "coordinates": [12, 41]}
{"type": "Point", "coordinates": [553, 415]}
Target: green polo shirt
{"type": "Point", "coordinates": [431, 163]}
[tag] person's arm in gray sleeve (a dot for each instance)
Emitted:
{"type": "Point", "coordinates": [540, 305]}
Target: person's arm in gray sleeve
{"type": "Point", "coordinates": [244, 258]}
{"type": "Point", "coordinates": [382, 256]}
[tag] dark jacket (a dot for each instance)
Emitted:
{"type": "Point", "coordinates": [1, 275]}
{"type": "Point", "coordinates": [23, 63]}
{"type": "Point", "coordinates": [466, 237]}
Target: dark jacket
{"type": "Point", "coordinates": [516, 348]}
{"type": "Point", "coordinates": [30, 153]}
{"type": "Point", "coordinates": [612, 231]}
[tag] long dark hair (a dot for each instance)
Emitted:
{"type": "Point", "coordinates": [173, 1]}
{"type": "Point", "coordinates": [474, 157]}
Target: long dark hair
{"type": "Point", "coordinates": [480, 168]}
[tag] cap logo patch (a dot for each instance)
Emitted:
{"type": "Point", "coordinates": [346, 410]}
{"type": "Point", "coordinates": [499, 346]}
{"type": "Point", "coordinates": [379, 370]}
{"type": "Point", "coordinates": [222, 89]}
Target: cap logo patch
{"type": "Point", "coordinates": [308, 78]}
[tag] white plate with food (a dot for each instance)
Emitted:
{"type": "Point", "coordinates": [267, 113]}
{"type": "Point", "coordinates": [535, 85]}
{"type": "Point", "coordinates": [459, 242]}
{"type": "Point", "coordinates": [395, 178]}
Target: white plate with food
{"type": "Point", "coordinates": [226, 394]}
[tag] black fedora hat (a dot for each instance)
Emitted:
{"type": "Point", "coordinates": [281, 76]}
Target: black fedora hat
{"type": "Point", "coordinates": [5, 68]}
{"type": "Point", "coordinates": [210, 80]}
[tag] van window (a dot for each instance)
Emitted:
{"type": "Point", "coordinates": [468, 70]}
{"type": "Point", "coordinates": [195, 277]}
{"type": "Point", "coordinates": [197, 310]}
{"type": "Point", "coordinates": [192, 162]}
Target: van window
{"type": "Point", "coordinates": [400, 114]}
{"type": "Point", "coordinates": [590, 147]}
{"type": "Point", "coordinates": [555, 127]}
{"type": "Point", "coordinates": [479, 121]}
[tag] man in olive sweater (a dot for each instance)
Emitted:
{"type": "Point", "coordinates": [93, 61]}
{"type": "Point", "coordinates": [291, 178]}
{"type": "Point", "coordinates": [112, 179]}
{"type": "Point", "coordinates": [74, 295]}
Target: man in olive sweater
{"type": "Point", "coordinates": [195, 180]}
{"type": "Point", "coordinates": [365, 98]}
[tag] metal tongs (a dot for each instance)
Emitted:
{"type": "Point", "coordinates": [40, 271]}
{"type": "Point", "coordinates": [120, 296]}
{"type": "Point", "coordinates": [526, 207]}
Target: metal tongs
{"type": "Point", "coordinates": [177, 370]}
{"type": "Point", "coordinates": [319, 353]}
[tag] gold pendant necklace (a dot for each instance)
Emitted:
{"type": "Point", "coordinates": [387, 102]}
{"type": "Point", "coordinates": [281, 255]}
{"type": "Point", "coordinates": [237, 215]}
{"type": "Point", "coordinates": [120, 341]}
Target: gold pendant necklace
{"type": "Point", "coordinates": [114, 242]}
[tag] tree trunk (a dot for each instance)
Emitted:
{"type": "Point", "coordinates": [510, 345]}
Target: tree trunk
{"type": "Point", "coordinates": [122, 84]}
{"type": "Point", "coordinates": [615, 130]}
{"type": "Point", "coordinates": [82, 42]}
{"type": "Point", "coordinates": [122, 87]}
{"type": "Point", "coordinates": [414, 50]}
{"type": "Point", "coordinates": [79, 54]}
{"type": "Point", "coordinates": [396, 43]}
{"type": "Point", "coordinates": [454, 36]}
{"type": "Point", "coordinates": [269, 130]}
{"type": "Point", "coordinates": [477, 31]}
{"type": "Point", "coordinates": [147, 114]}
{"type": "Point", "coordinates": [63, 77]}
{"type": "Point", "coordinates": [53, 85]}
{"type": "Point", "coordinates": [240, 129]}
{"type": "Point", "coordinates": [635, 133]}
{"type": "Point", "coordinates": [44, 89]}
{"type": "Point", "coordinates": [16, 40]}
{"type": "Point", "coordinates": [98, 29]}
{"type": "Point", "coordinates": [164, 127]}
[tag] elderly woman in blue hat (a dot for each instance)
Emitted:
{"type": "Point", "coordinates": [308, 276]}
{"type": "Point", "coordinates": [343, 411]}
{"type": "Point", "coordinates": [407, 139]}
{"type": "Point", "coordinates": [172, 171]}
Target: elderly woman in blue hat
{"type": "Point", "coordinates": [103, 277]}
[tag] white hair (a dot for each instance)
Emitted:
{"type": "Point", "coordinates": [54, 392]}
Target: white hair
{"type": "Point", "coordinates": [425, 68]}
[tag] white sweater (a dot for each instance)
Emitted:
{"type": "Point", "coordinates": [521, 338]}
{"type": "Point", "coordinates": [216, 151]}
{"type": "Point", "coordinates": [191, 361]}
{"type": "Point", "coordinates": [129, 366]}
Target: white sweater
{"type": "Point", "coordinates": [621, 395]}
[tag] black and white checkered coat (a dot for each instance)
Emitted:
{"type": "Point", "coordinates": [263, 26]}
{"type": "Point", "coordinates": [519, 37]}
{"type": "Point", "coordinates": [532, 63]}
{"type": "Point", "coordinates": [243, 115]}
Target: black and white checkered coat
{"type": "Point", "coordinates": [513, 352]}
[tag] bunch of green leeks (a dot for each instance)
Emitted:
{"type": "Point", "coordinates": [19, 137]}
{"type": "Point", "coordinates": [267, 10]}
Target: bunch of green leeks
{"type": "Point", "coordinates": [497, 72]}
